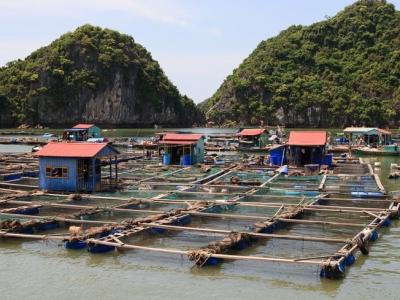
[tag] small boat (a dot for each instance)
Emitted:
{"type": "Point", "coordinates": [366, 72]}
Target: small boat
{"type": "Point", "coordinates": [394, 175]}
{"type": "Point", "coordinates": [48, 135]}
{"type": "Point", "coordinates": [396, 138]}
{"type": "Point", "coordinates": [371, 141]}
{"type": "Point", "coordinates": [149, 144]}
{"type": "Point", "coordinates": [387, 150]}
{"type": "Point", "coordinates": [36, 148]}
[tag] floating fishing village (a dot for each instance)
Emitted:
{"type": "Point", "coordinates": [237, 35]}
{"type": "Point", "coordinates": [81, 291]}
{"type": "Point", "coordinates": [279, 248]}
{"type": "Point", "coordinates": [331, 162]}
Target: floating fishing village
{"type": "Point", "coordinates": [317, 205]}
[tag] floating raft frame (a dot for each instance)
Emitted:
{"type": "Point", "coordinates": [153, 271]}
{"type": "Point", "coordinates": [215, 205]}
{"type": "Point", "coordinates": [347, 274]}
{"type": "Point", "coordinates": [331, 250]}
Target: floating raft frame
{"type": "Point", "coordinates": [326, 210]}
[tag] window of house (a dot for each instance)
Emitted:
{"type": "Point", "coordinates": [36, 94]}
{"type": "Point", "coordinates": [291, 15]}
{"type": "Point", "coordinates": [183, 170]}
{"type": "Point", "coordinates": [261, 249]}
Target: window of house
{"type": "Point", "coordinates": [59, 172]}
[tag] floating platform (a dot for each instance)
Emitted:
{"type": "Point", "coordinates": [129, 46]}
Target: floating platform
{"type": "Point", "coordinates": [211, 214]}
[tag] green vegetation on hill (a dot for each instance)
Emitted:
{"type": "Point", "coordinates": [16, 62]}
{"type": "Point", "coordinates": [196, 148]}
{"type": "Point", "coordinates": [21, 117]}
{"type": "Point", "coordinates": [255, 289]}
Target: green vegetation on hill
{"type": "Point", "coordinates": [80, 66]}
{"type": "Point", "coordinates": [341, 71]}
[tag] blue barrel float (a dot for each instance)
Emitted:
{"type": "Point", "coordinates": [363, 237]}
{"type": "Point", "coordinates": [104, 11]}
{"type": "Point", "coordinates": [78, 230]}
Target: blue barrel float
{"type": "Point", "coordinates": [279, 160]}
{"type": "Point", "coordinates": [284, 170]}
{"type": "Point", "coordinates": [75, 245]}
{"type": "Point", "coordinates": [186, 160]}
{"type": "Point", "coordinates": [166, 159]}
{"type": "Point", "coordinates": [328, 160]}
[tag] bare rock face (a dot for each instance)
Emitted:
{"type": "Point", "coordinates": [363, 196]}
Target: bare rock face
{"type": "Point", "coordinates": [116, 105]}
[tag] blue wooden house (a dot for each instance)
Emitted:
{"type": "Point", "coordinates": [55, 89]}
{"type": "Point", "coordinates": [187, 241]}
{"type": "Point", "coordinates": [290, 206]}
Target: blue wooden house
{"type": "Point", "coordinates": [76, 167]}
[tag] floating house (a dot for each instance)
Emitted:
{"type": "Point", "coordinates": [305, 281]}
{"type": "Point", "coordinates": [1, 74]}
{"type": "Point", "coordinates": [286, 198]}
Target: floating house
{"type": "Point", "coordinates": [81, 132]}
{"type": "Point", "coordinates": [252, 139]}
{"type": "Point", "coordinates": [76, 167]}
{"type": "Point", "coordinates": [368, 136]}
{"type": "Point", "coordinates": [307, 148]}
{"type": "Point", "coordinates": [183, 149]}
{"type": "Point", "coordinates": [374, 141]}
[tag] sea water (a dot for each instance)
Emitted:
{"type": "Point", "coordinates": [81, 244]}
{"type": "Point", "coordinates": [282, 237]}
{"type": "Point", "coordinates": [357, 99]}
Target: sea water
{"type": "Point", "coordinates": [44, 269]}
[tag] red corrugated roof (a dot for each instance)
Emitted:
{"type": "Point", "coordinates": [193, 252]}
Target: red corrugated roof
{"type": "Point", "coordinates": [366, 130]}
{"type": "Point", "coordinates": [255, 131]}
{"type": "Point", "coordinates": [176, 138]}
{"type": "Point", "coordinates": [71, 149]}
{"type": "Point", "coordinates": [83, 126]}
{"type": "Point", "coordinates": [307, 138]}
{"type": "Point", "coordinates": [176, 142]}
{"type": "Point", "coordinates": [384, 131]}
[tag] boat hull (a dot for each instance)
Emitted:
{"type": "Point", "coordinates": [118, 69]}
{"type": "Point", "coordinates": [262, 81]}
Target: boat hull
{"type": "Point", "coordinates": [375, 152]}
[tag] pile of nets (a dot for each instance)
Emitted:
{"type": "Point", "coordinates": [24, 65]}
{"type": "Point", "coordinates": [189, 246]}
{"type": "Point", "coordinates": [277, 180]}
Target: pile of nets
{"type": "Point", "coordinates": [202, 255]}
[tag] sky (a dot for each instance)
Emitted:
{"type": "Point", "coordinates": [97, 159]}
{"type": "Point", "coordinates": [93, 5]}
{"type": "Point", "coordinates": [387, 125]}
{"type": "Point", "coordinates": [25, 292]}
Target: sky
{"type": "Point", "coordinates": [197, 43]}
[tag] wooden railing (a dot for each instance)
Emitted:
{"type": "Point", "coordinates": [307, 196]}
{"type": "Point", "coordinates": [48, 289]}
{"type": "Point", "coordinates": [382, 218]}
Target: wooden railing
{"type": "Point", "coordinates": [107, 183]}
{"type": "Point", "coordinates": [85, 185]}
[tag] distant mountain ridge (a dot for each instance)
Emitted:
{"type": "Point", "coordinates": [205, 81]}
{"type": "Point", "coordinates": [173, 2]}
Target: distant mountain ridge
{"type": "Point", "coordinates": [92, 75]}
{"type": "Point", "coordinates": [342, 71]}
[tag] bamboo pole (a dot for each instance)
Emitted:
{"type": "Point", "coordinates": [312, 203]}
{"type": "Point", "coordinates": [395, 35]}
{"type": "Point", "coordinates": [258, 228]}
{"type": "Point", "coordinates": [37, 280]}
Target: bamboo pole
{"type": "Point", "coordinates": [70, 206]}
{"type": "Point", "coordinates": [375, 216]}
{"type": "Point", "coordinates": [270, 180]}
{"type": "Point", "coordinates": [116, 239]}
{"type": "Point", "coordinates": [278, 211]}
{"type": "Point", "coordinates": [33, 236]}
{"type": "Point", "coordinates": [343, 208]}
{"type": "Point", "coordinates": [225, 216]}
{"type": "Point", "coordinates": [356, 199]}
{"type": "Point", "coordinates": [297, 221]}
{"type": "Point", "coordinates": [106, 208]}
{"type": "Point", "coordinates": [223, 256]}
{"type": "Point", "coordinates": [304, 198]}
{"type": "Point", "coordinates": [257, 204]}
{"type": "Point", "coordinates": [58, 219]}
{"type": "Point", "coordinates": [217, 177]}
{"type": "Point", "coordinates": [318, 257]}
{"type": "Point", "coordinates": [263, 235]}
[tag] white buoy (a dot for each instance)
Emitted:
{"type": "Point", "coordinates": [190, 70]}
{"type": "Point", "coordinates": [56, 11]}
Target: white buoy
{"type": "Point", "coordinates": [377, 164]}
{"type": "Point", "coordinates": [393, 166]}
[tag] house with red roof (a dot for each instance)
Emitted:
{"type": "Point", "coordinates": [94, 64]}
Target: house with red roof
{"type": "Point", "coordinates": [81, 132]}
{"type": "Point", "coordinates": [307, 148]}
{"type": "Point", "coordinates": [76, 167]}
{"type": "Point", "coordinates": [252, 138]}
{"type": "Point", "coordinates": [183, 149]}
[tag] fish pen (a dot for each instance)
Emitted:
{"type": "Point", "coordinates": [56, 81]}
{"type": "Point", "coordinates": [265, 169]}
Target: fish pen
{"type": "Point", "coordinates": [215, 213]}
{"type": "Point", "coordinates": [242, 178]}
{"type": "Point", "coordinates": [295, 182]}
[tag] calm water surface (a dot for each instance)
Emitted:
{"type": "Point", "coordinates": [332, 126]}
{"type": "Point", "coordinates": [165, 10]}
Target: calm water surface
{"type": "Point", "coordinates": [46, 270]}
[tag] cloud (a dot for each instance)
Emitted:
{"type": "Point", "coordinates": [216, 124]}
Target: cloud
{"type": "Point", "coordinates": [168, 12]}
{"type": "Point", "coordinates": [162, 11]}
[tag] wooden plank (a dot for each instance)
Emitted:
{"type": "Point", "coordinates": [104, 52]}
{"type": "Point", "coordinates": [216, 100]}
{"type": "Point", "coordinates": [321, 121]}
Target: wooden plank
{"type": "Point", "coordinates": [379, 183]}
{"type": "Point", "coordinates": [321, 186]}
